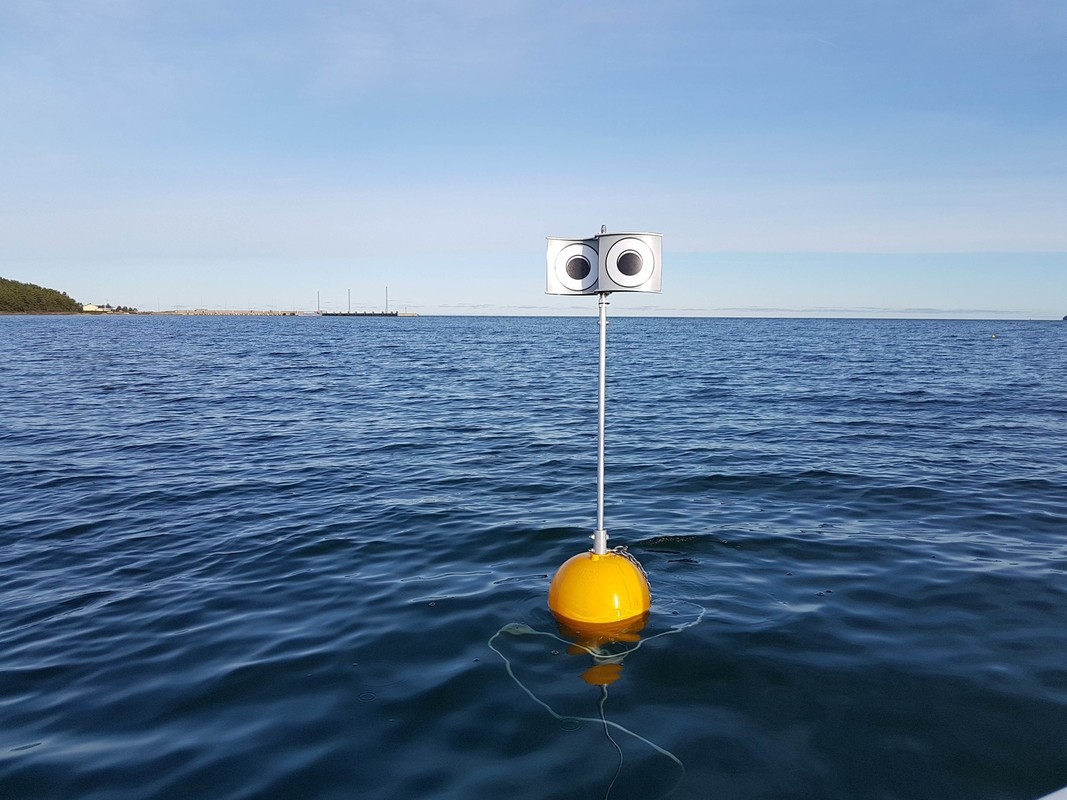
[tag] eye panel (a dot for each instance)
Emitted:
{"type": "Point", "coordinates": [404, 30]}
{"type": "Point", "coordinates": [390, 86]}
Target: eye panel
{"type": "Point", "coordinates": [630, 262]}
{"type": "Point", "coordinates": [576, 266]}
{"type": "Point", "coordinates": [573, 266]}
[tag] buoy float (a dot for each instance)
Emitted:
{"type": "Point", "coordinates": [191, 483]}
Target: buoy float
{"type": "Point", "coordinates": [599, 589]}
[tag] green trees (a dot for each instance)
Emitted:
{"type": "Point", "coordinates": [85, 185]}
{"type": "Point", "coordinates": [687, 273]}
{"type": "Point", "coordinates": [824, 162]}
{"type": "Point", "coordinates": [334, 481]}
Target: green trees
{"type": "Point", "coordinates": [19, 297]}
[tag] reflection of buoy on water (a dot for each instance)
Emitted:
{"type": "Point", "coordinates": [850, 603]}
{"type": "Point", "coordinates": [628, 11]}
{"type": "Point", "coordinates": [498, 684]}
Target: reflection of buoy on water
{"type": "Point", "coordinates": [602, 674]}
{"type": "Point", "coordinates": [591, 589]}
{"type": "Point", "coordinates": [600, 641]}
{"type": "Point", "coordinates": [591, 637]}
{"type": "Point", "coordinates": [607, 645]}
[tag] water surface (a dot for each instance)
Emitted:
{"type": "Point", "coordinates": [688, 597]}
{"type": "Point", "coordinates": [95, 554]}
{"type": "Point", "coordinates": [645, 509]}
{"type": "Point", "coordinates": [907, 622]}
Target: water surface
{"type": "Point", "coordinates": [264, 558]}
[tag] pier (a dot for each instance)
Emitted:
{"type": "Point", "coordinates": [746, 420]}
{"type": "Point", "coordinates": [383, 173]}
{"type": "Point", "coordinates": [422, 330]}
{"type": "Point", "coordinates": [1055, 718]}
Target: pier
{"type": "Point", "coordinates": [364, 314]}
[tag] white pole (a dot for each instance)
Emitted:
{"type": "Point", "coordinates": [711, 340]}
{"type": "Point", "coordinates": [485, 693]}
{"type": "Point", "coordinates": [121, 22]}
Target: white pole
{"type": "Point", "coordinates": [600, 536]}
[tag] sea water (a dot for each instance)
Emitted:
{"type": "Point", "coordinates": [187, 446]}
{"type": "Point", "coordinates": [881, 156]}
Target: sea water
{"type": "Point", "coordinates": [266, 557]}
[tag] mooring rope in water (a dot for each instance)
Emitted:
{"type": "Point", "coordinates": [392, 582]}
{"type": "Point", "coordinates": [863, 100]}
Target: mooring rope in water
{"type": "Point", "coordinates": [607, 733]}
{"type": "Point", "coordinates": [522, 629]}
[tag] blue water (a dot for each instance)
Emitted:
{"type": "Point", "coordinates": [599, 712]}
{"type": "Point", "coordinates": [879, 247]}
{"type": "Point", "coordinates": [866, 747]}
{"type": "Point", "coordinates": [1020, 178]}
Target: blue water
{"type": "Point", "coordinates": [265, 558]}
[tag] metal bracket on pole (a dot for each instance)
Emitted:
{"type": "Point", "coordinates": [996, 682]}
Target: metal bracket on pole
{"type": "Point", "coordinates": [600, 536]}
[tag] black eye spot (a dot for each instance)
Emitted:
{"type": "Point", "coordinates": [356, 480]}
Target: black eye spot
{"type": "Point", "coordinates": [578, 268]}
{"type": "Point", "coordinates": [629, 263]}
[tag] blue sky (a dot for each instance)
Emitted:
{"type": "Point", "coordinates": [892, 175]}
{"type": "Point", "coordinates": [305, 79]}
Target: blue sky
{"type": "Point", "coordinates": [837, 157]}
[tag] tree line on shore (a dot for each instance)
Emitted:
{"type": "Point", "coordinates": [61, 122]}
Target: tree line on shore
{"type": "Point", "coordinates": [21, 298]}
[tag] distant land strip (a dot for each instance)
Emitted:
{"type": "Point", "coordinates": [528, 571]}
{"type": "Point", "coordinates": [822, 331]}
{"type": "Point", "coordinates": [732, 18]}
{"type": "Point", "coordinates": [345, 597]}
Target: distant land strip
{"type": "Point", "coordinates": [18, 297]}
{"type": "Point", "coordinates": [208, 312]}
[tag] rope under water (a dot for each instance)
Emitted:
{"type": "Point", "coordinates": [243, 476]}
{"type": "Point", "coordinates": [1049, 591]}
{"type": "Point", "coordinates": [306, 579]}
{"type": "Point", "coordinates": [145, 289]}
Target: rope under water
{"type": "Point", "coordinates": [522, 629]}
{"type": "Point", "coordinates": [607, 732]}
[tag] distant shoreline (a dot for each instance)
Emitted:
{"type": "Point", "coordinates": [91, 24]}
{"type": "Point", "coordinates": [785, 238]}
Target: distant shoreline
{"type": "Point", "coordinates": [201, 312]}
{"type": "Point", "coordinates": [410, 314]}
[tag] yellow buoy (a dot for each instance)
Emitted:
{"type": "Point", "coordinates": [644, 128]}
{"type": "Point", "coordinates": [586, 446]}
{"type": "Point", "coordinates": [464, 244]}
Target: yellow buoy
{"type": "Point", "coordinates": [599, 590]}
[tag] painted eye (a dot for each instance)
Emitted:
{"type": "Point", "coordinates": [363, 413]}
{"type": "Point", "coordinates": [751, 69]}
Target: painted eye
{"type": "Point", "coordinates": [630, 262]}
{"type": "Point", "coordinates": [575, 267]}
{"type": "Point", "coordinates": [578, 268]}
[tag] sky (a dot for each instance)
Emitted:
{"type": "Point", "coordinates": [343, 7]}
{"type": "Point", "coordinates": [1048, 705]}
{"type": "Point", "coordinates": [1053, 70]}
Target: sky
{"type": "Point", "coordinates": [816, 158]}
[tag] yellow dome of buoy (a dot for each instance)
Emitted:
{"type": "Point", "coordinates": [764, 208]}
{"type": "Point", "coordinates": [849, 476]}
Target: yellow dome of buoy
{"type": "Point", "coordinates": [599, 589]}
